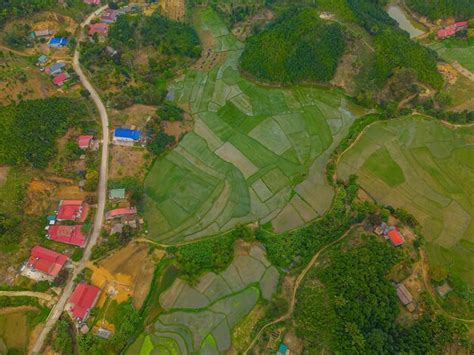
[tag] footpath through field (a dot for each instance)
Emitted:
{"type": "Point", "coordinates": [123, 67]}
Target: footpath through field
{"type": "Point", "coordinates": [101, 192]}
{"type": "Point", "coordinates": [297, 284]}
{"type": "Point", "coordinates": [41, 295]}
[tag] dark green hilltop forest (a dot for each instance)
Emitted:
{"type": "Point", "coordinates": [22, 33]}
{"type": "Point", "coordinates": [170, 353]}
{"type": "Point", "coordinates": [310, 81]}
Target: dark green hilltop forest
{"type": "Point", "coordinates": [435, 9]}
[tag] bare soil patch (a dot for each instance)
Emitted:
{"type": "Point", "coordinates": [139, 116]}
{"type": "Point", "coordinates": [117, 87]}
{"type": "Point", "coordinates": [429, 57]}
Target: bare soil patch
{"type": "Point", "coordinates": [174, 9]}
{"type": "Point", "coordinates": [3, 174]}
{"type": "Point", "coordinates": [176, 128]}
{"type": "Point", "coordinates": [135, 115]}
{"type": "Point", "coordinates": [132, 263]}
{"type": "Point", "coordinates": [128, 161]}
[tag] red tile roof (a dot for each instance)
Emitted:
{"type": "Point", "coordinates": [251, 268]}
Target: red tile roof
{"type": "Point", "coordinates": [447, 32]}
{"type": "Point", "coordinates": [461, 24]}
{"type": "Point", "coordinates": [60, 79]}
{"type": "Point", "coordinates": [67, 234]}
{"type": "Point", "coordinates": [98, 27]}
{"type": "Point", "coordinates": [84, 141]}
{"type": "Point", "coordinates": [395, 237]}
{"type": "Point", "coordinates": [72, 210]}
{"type": "Point", "coordinates": [119, 212]}
{"type": "Point", "coordinates": [46, 260]}
{"type": "Point", "coordinates": [83, 298]}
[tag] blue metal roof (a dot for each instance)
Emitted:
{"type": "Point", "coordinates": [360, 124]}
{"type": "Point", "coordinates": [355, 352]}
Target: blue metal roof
{"type": "Point", "coordinates": [283, 348]}
{"type": "Point", "coordinates": [42, 58]}
{"type": "Point", "coordinates": [127, 133]}
{"type": "Point", "coordinates": [58, 41]}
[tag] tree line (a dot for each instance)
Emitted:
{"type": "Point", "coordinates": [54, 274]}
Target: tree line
{"type": "Point", "coordinates": [435, 9]}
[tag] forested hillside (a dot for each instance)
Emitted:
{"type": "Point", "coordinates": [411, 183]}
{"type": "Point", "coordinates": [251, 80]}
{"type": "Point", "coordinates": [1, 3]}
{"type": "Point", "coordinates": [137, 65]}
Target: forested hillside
{"type": "Point", "coordinates": [28, 130]}
{"type": "Point", "coordinates": [10, 9]}
{"type": "Point", "coordinates": [435, 9]}
{"type": "Point", "coordinates": [297, 46]}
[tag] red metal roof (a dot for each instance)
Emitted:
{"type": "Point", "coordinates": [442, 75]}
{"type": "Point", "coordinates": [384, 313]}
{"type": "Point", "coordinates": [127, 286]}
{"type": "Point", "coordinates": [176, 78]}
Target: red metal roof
{"type": "Point", "coordinates": [92, 2]}
{"type": "Point", "coordinates": [84, 141]}
{"type": "Point", "coordinates": [395, 237]}
{"type": "Point", "coordinates": [83, 298]}
{"type": "Point", "coordinates": [461, 24]}
{"type": "Point", "coordinates": [47, 261]}
{"type": "Point", "coordinates": [118, 212]}
{"type": "Point", "coordinates": [72, 210]}
{"type": "Point", "coordinates": [447, 32]}
{"type": "Point", "coordinates": [67, 234]}
{"type": "Point", "coordinates": [60, 79]}
{"type": "Point", "coordinates": [99, 27]}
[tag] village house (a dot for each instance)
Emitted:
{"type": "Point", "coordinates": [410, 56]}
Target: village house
{"type": "Point", "coordinates": [43, 33]}
{"type": "Point", "coordinates": [120, 212]}
{"type": "Point", "coordinates": [405, 297]}
{"type": "Point", "coordinates": [42, 59]}
{"type": "Point", "coordinates": [451, 30]}
{"type": "Point", "coordinates": [72, 210]}
{"type": "Point", "coordinates": [100, 28]}
{"type": "Point", "coordinates": [84, 141]}
{"type": "Point", "coordinates": [117, 194]}
{"type": "Point", "coordinates": [109, 16]}
{"type": "Point", "coordinates": [56, 68]}
{"type": "Point", "coordinates": [126, 136]}
{"type": "Point", "coordinates": [82, 300]}
{"type": "Point", "coordinates": [58, 42]}
{"type": "Point", "coordinates": [71, 235]}
{"type": "Point", "coordinates": [443, 289]}
{"type": "Point", "coordinates": [43, 264]}
{"type": "Point", "coordinates": [395, 237]}
{"type": "Point", "coordinates": [59, 79]}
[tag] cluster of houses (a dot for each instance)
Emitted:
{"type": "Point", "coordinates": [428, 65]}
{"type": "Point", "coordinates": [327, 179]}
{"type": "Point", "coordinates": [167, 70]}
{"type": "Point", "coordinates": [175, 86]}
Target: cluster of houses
{"type": "Point", "coordinates": [108, 17]}
{"type": "Point", "coordinates": [74, 213]}
{"type": "Point", "coordinates": [390, 233]}
{"type": "Point", "coordinates": [56, 70]}
{"type": "Point", "coordinates": [121, 216]}
{"type": "Point", "coordinates": [451, 30]}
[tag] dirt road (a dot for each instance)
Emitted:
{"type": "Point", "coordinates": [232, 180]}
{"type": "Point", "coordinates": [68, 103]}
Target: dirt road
{"type": "Point", "coordinates": [41, 295]}
{"type": "Point", "coordinates": [467, 73]}
{"type": "Point", "coordinates": [298, 282]}
{"type": "Point", "coordinates": [101, 192]}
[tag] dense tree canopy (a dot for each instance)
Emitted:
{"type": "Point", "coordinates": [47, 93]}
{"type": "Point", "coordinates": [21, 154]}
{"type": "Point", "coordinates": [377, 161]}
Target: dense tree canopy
{"type": "Point", "coordinates": [297, 46]}
{"type": "Point", "coordinates": [11, 9]}
{"type": "Point", "coordinates": [29, 129]}
{"type": "Point", "coordinates": [435, 9]}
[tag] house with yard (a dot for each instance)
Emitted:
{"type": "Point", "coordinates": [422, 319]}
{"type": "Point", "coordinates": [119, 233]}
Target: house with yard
{"type": "Point", "coordinates": [82, 300]}
{"type": "Point", "coordinates": [60, 79]}
{"type": "Point", "coordinates": [121, 212]}
{"type": "Point", "coordinates": [126, 136]}
{"type": "Point", "coordinates": [84, 141]}
{"type": "Point", "coordinates": [71, 235]}
{"type": "Point", "coordinates": [117, 194]}
{"type": "Point", "coordinates": [395, 237]}
{"type": "Point", "coordinates": [72, 210]}
{"type": "Point", "coordinates": [58, 42]}
{"type": "Point", "coordinates": [56, 68]}
{"type": "Point", "coordinates": [405, 297]}
{"type": "Point", "coordinates": [99, 28]}
{"type": "Point", "coordinates": [451, 30]}
{"type": "Point", "coordinates": [43, 264]}
{"type": "Point", "coordinates": [109, 16]}
{"type": "Point", "coordinates": [42, 59]}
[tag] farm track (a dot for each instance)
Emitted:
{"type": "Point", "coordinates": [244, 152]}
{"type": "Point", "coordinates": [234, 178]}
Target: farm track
{"type": "Point", "coordinates": [297, 284]}
{"type": "Point", "coordinates": [101, 193]}
{"type": "Point", "coordinates": [41, 295]}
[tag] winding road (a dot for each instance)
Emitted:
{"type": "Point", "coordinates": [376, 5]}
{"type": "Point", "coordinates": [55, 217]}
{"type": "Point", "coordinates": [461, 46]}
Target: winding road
{"type": "Point", "coordinates": [297, 284]}
{"type": "Point", "coordinates": [101, 196]}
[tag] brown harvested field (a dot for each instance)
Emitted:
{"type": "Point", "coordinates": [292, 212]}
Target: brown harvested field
{"type": "Point", "coordinates": [128, 161]}
{"type": "Point", "coordinates": [4, 174]}
{"type": "Point", "coordinates": [132, 262]}
{"type": "Point", "coordinates": [14, 330]}
{"type": "Point", "coordinates": [176, 128]}
{"type": "Point", "coordinates": [174, 9]}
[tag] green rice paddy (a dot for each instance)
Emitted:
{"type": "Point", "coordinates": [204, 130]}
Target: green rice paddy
{"type": "Point", "coordinates": [255, 153]}
{"type": "Point", "coordinates": [427, 169]}
{"type": "Point", "coordinates": [199, 318]}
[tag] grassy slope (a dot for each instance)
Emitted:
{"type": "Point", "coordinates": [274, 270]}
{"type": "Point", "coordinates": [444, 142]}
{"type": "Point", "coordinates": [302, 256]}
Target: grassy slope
{"type": "Point", "coordinates": [430, 174]}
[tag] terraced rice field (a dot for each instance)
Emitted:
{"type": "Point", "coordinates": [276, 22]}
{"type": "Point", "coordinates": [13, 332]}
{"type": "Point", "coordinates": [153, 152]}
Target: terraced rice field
{"type": "Point", "coordinates": [255, 153]}
{"type": "Point", "coordinates": [452, 51]}
{"type": "Point", "coordinates": [427, 169]}
{"type": "Point", "coordinates": [200, 318]}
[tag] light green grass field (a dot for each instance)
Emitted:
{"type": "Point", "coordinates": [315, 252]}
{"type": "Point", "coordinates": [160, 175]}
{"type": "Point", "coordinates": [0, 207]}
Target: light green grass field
{"type": "Point", "coordinates": [249, 149]}
{"type": "Point", "coordinates": [427, 169]}
{"type": "Point", "coordinates": [200, 318]}
{"type": "Point", "coordinates": [456, 50]}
